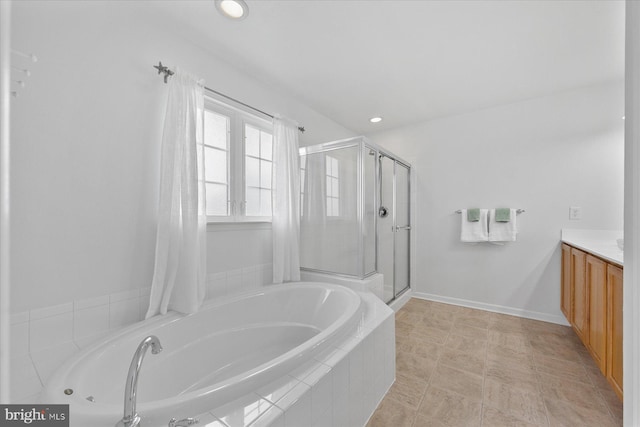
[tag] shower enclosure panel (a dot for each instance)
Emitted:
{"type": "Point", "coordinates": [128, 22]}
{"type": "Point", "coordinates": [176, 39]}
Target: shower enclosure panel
{"type": "Point", "coordinates": [355, 218]}
{"type": "Point", "coordinates": [337, 223]}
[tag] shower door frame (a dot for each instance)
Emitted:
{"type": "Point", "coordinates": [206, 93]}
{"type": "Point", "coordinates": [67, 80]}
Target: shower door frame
{"type": "Point", "coordinates": [396, 160]}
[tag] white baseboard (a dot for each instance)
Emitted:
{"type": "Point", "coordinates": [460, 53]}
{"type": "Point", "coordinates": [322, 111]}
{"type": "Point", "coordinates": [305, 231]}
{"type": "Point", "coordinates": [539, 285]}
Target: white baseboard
{"type": "Point", "coordinates": [398, 303]}
{"type": "Point", "coordinates": [518, 312]}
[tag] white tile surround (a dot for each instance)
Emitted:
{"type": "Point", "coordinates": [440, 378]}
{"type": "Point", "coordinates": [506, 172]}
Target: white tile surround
{"type": "Point", "coordinates": [341, 387]}
{"type": "Point", "coordinates": [41, 339]}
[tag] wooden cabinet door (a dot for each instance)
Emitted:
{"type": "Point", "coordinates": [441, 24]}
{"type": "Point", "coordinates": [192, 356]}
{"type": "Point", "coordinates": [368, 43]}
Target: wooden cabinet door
{"type": "Point", "coordinates": [596, 277]}
{"type": "Point", "coordinates": [614, 329]}
{"type": "Point", "coordinates": [579, 315]}
{"type": "Point", "coordinates": [565, 283]}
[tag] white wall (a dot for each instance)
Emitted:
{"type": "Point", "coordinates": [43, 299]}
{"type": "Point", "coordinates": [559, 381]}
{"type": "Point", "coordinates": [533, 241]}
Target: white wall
{"type": "Point", "coordinates": [85, 149]}
{"type": "Point", "coordinates": [543, 155]}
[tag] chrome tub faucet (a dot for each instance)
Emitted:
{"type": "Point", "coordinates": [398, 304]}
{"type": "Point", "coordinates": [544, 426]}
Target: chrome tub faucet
{"type": "Point", "coordinates": [131, 417]}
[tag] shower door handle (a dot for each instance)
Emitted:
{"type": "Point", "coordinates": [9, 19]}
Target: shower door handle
{"type": "Point", "coordinates": [406, 227]}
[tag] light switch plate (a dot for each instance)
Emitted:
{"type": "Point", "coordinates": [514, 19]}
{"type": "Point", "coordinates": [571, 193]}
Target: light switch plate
{"type": "Point", "coordinates": [575, 213]}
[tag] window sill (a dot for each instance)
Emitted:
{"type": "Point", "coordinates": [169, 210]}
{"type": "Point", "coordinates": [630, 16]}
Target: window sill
{"type": "Point", "coordinates": [238, 225]}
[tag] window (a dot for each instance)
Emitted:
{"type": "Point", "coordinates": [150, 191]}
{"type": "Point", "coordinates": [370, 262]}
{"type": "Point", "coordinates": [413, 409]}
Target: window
{"type": "Point", "coordinates": [303, 175]}
{"type": "Point", "coordinates": [258, 164]}
{"type": "Point", "coordinates": [238, 154]}
{"type": "Point", "coordinates": [333, 186]}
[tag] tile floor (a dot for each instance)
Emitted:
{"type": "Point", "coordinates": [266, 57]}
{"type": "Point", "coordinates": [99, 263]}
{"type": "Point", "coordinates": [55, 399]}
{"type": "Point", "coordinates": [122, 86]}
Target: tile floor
{"type": "Point", "coordinates": [457, 366]}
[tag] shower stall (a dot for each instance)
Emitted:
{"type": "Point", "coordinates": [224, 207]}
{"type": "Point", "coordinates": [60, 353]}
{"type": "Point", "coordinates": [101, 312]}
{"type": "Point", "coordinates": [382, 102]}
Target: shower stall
{"type": "Point", "coordinates": [355, 213]}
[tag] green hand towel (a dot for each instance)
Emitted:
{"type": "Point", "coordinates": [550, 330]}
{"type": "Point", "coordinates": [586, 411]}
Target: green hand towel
{"type": "Point", "coordinates": [503, 215]}
{"type": "Point", "coordinates": [473, 215]}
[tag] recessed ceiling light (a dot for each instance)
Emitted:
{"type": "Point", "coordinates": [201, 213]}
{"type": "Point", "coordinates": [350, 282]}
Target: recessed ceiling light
{"type": "Point", "coordinates": [234, 9]}
{"type": "Point", "coordinates": [375, 119]}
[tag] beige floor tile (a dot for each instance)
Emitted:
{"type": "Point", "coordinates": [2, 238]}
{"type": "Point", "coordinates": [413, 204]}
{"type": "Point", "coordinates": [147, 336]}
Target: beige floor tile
{"type": "Point", "coordinates": [392, 413]}
{"type": "Point", "coordinates": [473, 312]}
{"type": "Point", "coordinates": [476, 322]}
{"type": "Point", "coordinates": [464, 360]}
{"type": "Point", "coordinates": [423, 348]}
{"type": "Point", "coordinates": [517, 378]}
{"type": "Point", "coordinates": [434, 322]}
{"type": "Point", "coordinates": [500, 357]}
{"type": "Point", "coordinates": [563, 414]}
{"type": "Point", "coordinates": [492, 417]}
{"type": "Point", "coordinates": [408, 317]}
{"type": "Point", "coordinates": [457, 366]}
{"type": "Point", "coordinates": [443, 408]}
{"type": "Point", "coordinates": [515, 341]}
{"type": "Point", "coordinates": [535, 326]}
{"type": "Point", "coordinates": [469, 331]}
{"type": "Point", "coordinates": [441, 313]}
{"type": "Point", "coordinates": [461, 343]}
{"type": "Point", "coordinates": [507, 324]}
{"type": "Point", "coordinates": [428, 333]}
{"type": "Point", "coordinates": [614, 404]}
{"type": "Point", "coordinates": [408, 389]}
{"type": "Point", "coordinates": [464, 383]}
{"type": "Point", "coordinates": [556, 346]}
{"type": "Point", "coordinates": [561, 368]}
{"type": "Point", "coordinates": [578, 394]}
{"type": "Point", "coordinates": [414, 365]}
{"type": "Point", "coordinates": [524, 405]}
{"type": "Point", "coordinates": [404, 329]}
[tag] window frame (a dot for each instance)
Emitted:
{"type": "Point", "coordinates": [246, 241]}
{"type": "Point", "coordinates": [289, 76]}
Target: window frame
{"type": "Point", "coordinates": [238, 119]}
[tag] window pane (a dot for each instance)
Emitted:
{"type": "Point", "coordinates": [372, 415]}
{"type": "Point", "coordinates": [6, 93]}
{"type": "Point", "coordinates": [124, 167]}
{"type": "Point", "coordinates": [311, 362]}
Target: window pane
{"type": "Point", "coordinates": [334, 167]}
{"type": "Point", "coordinates": [329, 188]}
{"type": "Point", "coordinates": [265, 174]}
{"type": "Point", "coordinates": [265, 202]}
{"type": "Point", "coordinates": [252, 172]}
{"type": "Point", "coordinates": [215, 168]}
{"type": "Point", "coordinates": [266, 146]}
{"type": "Point", "coordinates": [216, 129]}
{"type": "Point", "coordinates": [335, 187]}
{"type": "Point", "coordinates": [252, 136]}
{"type": "Point", "coordinates": [217, 199]}
{"type": "Point", "coordinates": [253, 202]}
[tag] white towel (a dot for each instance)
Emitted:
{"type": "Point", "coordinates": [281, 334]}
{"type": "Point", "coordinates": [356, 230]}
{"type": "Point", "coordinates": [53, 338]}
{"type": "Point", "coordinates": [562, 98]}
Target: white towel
{"type": "Point", "coordinates": [502, 231]}
{"type": "Point", "coordinates": [477, 231]}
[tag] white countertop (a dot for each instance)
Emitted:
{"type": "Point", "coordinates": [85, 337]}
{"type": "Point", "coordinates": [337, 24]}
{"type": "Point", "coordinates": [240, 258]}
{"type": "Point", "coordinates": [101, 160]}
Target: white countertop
{"type": "Point", "coordinates": [601, 243]}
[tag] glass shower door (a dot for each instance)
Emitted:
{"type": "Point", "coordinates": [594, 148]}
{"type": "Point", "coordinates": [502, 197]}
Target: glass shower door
{"type": "Point", "coordinates": [402, 229]}
{"type": "Point", "coordinates": [386, 227]}
{"type": "Point", "coordinates": [393, 226]}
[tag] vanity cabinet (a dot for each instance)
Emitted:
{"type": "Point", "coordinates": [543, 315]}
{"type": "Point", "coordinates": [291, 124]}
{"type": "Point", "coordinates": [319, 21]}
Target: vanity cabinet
{"type": "Point", "coordinates": [591, 300]}
{"type": "Point", "coordinates": [614, 336]}
{"type": "Point", "coordinates": [596, 283]}
{"type": "Point", "coordinates": [580, 297]}
{"type": "Point", "coordinates": [566, 304]}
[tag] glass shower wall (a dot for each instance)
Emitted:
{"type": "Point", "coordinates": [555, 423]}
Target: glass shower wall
{"type": "Point", "coordinates": [337, 224]}
{"type": "Point", "coordinates": [355, 212]}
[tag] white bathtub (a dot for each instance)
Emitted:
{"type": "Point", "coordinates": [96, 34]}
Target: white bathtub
{"type": "Point", "coordinates": [226, 350]}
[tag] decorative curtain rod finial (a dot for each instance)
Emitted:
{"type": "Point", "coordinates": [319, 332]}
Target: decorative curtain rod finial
{"type": "Point", "coordinates": [162, 69]}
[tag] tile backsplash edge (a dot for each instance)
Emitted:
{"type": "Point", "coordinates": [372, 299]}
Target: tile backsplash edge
{"type": "Point", "coordinates": [78, 322]}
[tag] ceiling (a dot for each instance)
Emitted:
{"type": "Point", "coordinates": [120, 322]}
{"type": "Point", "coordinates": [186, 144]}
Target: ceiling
{"type": "Point", "coordinates": [411, 61]}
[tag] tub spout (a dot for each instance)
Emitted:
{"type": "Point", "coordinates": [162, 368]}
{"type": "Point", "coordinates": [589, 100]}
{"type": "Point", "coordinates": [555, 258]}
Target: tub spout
{"type": "Point", "coordinates": [131, 417]}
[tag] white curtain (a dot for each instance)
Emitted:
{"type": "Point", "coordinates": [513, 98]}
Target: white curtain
{"type": "Point", "coordinates": [180, 262]}
{"type": "Point", "coordinates": [286, 201]}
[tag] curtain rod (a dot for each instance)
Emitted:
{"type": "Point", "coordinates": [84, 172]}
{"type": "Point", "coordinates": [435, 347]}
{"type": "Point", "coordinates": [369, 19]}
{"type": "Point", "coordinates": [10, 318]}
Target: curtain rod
{"type": "Point", "coordinates": [167, 73]}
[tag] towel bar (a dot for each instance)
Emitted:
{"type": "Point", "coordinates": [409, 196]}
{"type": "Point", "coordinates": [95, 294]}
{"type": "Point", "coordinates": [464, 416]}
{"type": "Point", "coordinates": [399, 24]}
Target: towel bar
{"type": "Point", "coordinates": [519, 211]}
